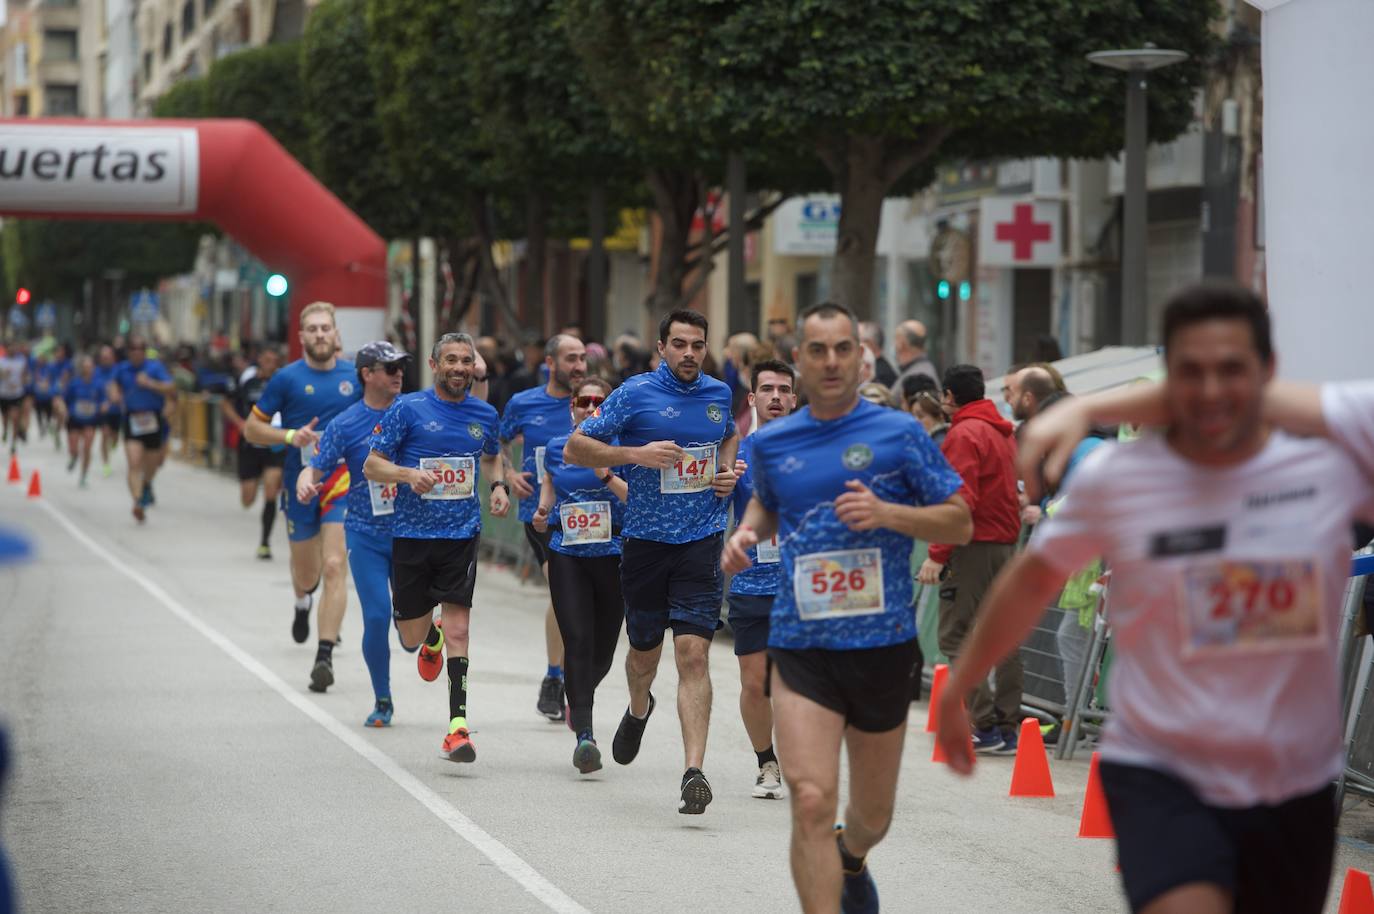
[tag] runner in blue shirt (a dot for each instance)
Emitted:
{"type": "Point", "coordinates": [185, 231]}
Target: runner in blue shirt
{"type": "Point", "coordinates": [343, 450]}
{"type": "Point", "coordinates": [581, 508]}
{"type": "Point", "coordinates": [308, 393]}
{"type": "Point", "coordinates": [846, 485]}
{"type": "Point", "coordinates": [773, 396]}
{"type": "Point", "coordinates": [79, 409]}
{"type": "Point", "coordinates": [532, 417]}
{"type": "Point", "coordinates": [429, 446]}
{"type": "Point", "coordinates": [110, 416]}
{"type": "Point", "coordinates": [677, 438]}
{"type": "Point", "coordinates": [141, 385]}
{"type": "Point", "coordinates": [48, 378]}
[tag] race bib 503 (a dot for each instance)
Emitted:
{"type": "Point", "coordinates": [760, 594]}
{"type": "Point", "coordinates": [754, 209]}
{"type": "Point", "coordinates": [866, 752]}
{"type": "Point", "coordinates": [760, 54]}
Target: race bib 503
{"type": "Point", "coordinates": [457, 476]}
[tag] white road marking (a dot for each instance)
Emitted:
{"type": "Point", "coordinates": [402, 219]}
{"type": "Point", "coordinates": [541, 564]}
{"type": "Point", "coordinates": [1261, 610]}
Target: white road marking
{"type": "Point", "coordinates": [505, 859]}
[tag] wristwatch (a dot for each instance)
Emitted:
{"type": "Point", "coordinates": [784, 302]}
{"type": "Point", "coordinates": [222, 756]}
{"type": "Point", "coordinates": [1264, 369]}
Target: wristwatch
{"type": "Point", "coordinates": [502, 484]}
{"type": "Point", "coordinates": [606, 480]}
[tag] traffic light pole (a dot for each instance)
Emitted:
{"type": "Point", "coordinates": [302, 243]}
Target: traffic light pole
{"type": "Point", "coordinates": [1134, 217]}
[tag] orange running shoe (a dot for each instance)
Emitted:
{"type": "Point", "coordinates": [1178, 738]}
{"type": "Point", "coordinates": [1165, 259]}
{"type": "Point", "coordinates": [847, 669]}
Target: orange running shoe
{"type": "Point", "coordinates": [430, 660]}
{"type": "Point", "coordinates": [458, 748]}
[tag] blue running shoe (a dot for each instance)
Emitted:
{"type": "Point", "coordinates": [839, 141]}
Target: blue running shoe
{"type": "Point", "coordinates": [1009, 741]}
{"type": "Point", "coordinates": [381, 715]}
{"type": "Point", "coordinates": [586, 757]}
{"type": "Point", "coordinates": [860, 893]}
{"type": "Point", "coordinates": [989, 740]}
{"type": "Point", "coordinates": [146, 499]}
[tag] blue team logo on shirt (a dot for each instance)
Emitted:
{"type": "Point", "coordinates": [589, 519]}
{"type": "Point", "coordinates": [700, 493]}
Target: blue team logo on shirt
{"type": "Point", "coordinates": [669, 413]}
{"type": "Point", "coordinates": [536, 419]}
{"type": "Point", "coordinates": [713, 413]}
{"type": "Point", "coordinates": [433, 426]}
{"type": "Point", "coordinates": [857, 457]}
{"type": "Point", "coordinates": [791, 465]}
{"type": "Point", "coordinates": [475, 430]}
{"type": "Point", "coordinates": [345, 387]}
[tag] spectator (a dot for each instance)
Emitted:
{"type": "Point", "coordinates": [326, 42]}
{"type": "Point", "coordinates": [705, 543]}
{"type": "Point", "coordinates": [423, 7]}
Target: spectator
{"type": "Point", "coordinates": [778, 328]}
{"type": "Point", "coordinates": [871, 335]}
{"type": "Point", "coordinates": [980, 447]}
{"type": "Point", "coordinates": [922, 400]}
{"type": "Point", "coordinates": [1047, 348]}
{"type": "Point", "coordinates": [911, 354]}
{"type": "Point", "coordinates": [874, 392]}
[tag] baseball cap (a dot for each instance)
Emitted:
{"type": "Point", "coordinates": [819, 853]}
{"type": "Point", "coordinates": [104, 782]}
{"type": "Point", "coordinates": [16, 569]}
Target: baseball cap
{"type": "Point", "coordinates": [379, 352]}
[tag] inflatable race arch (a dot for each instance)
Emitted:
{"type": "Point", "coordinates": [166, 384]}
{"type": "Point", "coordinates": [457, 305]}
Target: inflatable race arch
{"type": "Point", "coordinates": [229, 172]}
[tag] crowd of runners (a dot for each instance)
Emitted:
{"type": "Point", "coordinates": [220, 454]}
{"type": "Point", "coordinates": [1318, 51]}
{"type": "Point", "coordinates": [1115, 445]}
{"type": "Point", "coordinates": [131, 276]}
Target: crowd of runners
{"type": "Point", "coordinates": [1226, 527]}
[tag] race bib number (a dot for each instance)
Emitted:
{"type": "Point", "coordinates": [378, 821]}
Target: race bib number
{"type": "Point", "coordinates": [692, 472]}
{"type": "Point", "coordinates": [1233, 607]}
{"type": "Point", "coordinates": [142, 424]}
{"type": "Point", "coordinates": [383, 498]}
{"type": "Point", "coordinates": [84, 409]}
{"type": "Point", "coordinates": [585, 522]}
{"type": "Point", "coordinates": [768, 552]}
{"type": "Point", "coordinates": [456, 477]}
{"type": "Point", "coordinates": [838, 585]}
{"type": "Point", "coordinates": [538, 467]}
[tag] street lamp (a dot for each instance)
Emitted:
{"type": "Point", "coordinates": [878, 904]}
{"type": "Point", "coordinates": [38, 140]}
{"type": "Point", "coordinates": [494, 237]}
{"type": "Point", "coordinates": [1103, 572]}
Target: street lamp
{"type": "Point", "coordinates": [1136, 62]}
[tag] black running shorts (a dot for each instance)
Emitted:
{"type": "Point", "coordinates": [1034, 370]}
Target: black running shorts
{"type": "Point", "coordinates": [425, 573]}
{"type": "Point", "coordinates": [539, 543]}
{"type": "Point", "coordinates": [870, 687]}
{"type": "Point", "coordinates": [1273, 859]}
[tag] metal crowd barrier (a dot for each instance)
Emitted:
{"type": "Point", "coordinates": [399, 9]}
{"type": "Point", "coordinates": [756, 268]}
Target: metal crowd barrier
{"type": "Point", "coordinates": [1357, 661]}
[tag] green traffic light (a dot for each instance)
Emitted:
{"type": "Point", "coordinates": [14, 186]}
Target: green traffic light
{"type": "Point", "coordinates": [942, 289]}
{"type": "Point", "coordinates": [965, 290]}
{"type": "Point", "coordinates": [276, 285]}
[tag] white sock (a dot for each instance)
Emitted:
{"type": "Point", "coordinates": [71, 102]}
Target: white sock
{"type": "Point", "coordinates": [303, 603]}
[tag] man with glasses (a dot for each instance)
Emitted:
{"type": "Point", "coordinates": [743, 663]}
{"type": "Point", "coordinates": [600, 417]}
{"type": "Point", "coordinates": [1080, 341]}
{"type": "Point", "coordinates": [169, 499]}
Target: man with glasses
{"type": "Point", "coordinates": [533, 417]}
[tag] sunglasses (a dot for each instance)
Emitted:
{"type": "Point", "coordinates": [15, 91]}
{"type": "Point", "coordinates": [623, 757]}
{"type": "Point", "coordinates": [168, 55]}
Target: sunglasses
{"type": "Point", "coordinates": [588, 402]}
{"type": "Point", "coordinates": [390, 367]}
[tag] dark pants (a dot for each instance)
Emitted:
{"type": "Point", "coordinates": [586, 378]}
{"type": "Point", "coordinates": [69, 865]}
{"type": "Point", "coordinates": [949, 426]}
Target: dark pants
{"type": "Point", "coordinates": [965, 582]}
{"type": "Point", "coordinates": [590, 610]}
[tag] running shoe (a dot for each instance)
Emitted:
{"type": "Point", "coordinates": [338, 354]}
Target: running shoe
{"type": "Point", "coordinates": [71, 463]}
{"type": "Point", "coordinates": [551, 698]}
{"type": "Point", "coordinates": [696, 793]}
{"type": "Point", "coordinates": [300, 625]}
{"type": "Point", "coordinates": [768, 785]}
{"type": "Point", "coordinates": [586, 757]}
{"type": "Point", "coordinates": [986, 741]}
{"type": "Point", "coordinates": [860, 893]}
{"type": "Point", "coordinates": [625, 746]}
{"type": "Point", "coordinates": [147, 499]}
{"type": "Point", "coordinates": [83, 484]}
{"type": "Point", "coordinates": [1008, 746]}
{"type": "Point", "coordinates": [321, 675]}
{"type": "Point", "coordinates": [458, 748]}
{"type": "Point", "coordinates": [430, 660]}
{"type": "Point", "coordinates": [381, 714]}
{"type": "Point", "coordinates": [264, 552]}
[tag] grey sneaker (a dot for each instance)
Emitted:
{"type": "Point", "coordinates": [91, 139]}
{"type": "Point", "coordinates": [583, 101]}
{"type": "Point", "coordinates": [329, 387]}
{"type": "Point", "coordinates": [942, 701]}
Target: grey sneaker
{"type": "Point", "coordinates": [768, 785]}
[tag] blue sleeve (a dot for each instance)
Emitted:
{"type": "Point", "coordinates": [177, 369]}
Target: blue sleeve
{"type": "Point", "coordinates": [762, 491]}
{"type": "Point", "coordinates": [330, 450]}
{"type": "Point", "coordinates": [386, 440]}
{"type": "Point", "coordinates": [270, 401]}
{"type": "Point", "coordinates": [609, 421]}
{"type": "Point", "coordinates": [158, 372]}
{"type": "Point", "coordinates": [510, 421]}
{"type": "Point", "coordinates": [927, 472]}
{"type": "Point", "coordinates": [491, 444]}
{"type": "Point", "coordinates": [729, 421]}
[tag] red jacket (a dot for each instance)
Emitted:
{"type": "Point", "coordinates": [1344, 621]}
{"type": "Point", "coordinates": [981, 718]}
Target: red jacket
{"type": "Point", "coordinates": [982, 451]}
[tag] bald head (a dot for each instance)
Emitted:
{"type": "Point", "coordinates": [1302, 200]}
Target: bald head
{"type": "Point", "coordinates": [1033, 386]}
{"type": "Point", "coordinates": [910, 341]}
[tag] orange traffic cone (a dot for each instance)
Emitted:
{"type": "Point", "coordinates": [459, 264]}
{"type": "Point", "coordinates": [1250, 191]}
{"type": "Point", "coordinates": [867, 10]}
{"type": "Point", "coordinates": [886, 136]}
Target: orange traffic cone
{"type": "Point", "coordinates": [1030, 777]}
{"type": "Point", "coordinates": [14, 469]}
{"type": "Point", "coordinates": [1096, 821]}
{"type": "Point", "coordinates": [1357, 896]}
{"type": "Point", "coordinates": [35, 487]}
{"type": "Point", "coordinates": [937, 685]}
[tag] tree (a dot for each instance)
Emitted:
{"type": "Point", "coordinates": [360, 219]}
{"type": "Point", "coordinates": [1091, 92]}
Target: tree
{"type": "Point", "coordinates": [881, 91]}
{"type": "Point", "coordinates": [263, 84]}
{"type": "Point", "coordinates": [345, 136]}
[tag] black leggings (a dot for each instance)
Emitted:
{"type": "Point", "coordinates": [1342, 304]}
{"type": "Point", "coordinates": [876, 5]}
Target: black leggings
{"type": "Point", "coordinates": [590, 610]}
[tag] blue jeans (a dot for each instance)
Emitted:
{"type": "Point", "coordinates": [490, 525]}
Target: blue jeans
{"type": "Point", "coordinates": [369, 559]}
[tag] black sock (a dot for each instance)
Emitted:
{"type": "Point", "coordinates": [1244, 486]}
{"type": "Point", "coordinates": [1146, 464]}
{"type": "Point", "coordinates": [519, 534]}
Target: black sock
{"type": "Point", "coordinates": [848, 861]}
{"type": "Point", "coordinates": [766, 756]}
{"type": "Point", "coordinates": [432, 639]}
{"type": "Point", "coordinates": [458, 687]}
{"type": "Point", "coordinates": [581, 720]}
{"type": "Point", "coordinates": [269, 517]}
{"type": "Point", "coordinates": [325, 652]}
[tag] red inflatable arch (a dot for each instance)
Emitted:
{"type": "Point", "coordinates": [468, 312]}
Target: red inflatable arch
{"type": "Point", "coordinates": [229, 172]}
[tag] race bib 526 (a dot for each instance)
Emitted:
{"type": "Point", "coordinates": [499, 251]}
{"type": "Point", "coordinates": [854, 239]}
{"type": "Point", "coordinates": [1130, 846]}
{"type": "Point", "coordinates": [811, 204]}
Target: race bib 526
{"type": "Point", "coordinates": [838, 585]}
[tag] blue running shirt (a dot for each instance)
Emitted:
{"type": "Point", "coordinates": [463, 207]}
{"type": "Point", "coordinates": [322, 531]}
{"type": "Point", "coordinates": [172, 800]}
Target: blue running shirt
{"type": "Point", "coordinates": [762, 577]}
{"type": "Point", "coordinates": [371, 505]}
{"type": "Point", "coordinates": [841, 589]}
{"type": "Point", "coordinates": [598, 513]}
{"type": "Point", "coordinates": [675, 505]}
{"type": "Point", "coordinates": [301, 393]}
{"type": "Point", "coordinates": [85, 400]}
{"type": "Point", "coordinates": [538, 417]}
{"type": "Point", "coordinates": [420, 426]}
{"type": "Point", "coordinates": [140, 399]}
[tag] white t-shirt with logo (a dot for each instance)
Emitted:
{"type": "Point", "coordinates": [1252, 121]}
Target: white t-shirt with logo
{"type": "Point", "coordinates": [1225, 605]}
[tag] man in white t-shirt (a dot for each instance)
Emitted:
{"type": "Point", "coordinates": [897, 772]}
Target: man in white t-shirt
{"type": "Point", "coordinates": [1229, 543]}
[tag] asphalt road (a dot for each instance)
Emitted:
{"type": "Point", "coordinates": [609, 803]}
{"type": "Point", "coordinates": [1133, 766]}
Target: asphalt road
{"type": "Point", "coordinates": [169, 757]}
